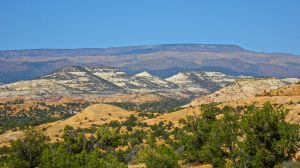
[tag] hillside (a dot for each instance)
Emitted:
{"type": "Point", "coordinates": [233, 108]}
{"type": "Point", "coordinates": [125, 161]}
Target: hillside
{"type": "Point", "coordinates": [241, 89]}
{"type": "Point", "coordinates": [69, 81]}
{"type": "Point", "coordinates": [290, 90]}
{"type": "Point", "coordinates": [202, 82]}
{"type": "Point", "coordinates": [286, 96]}
{"type": "Point", "coordinates": [246, 92]}
{"type": "Point", "coordinates": [101, 81]}
{"type": "Point", "coordinates": [136, 132]}
{"type": "Point", "coordinates": [96, 114]}
{"type": "Point", "coordinates": [175, 116]}
{"type": "Point", "coordinates": [160, 60]}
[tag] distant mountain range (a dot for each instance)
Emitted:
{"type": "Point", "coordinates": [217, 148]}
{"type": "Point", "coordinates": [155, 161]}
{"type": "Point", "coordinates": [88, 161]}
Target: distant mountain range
{"type": "Point", "coordinates": [161, 60]}
{"type": "Point", "coordinates": [101, 81]}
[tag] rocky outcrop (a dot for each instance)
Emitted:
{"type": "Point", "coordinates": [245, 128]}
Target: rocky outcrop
{"type": "Point", "coordinates": [100, 81]}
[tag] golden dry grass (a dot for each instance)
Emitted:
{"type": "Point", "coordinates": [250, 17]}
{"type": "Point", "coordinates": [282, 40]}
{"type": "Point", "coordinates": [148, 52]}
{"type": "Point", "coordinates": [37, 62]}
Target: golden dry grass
{"type": "Point", "coordinates": [96, 114]}
{"type": "Point", "coordinates": [290, 90]}
{"type": "Point", "coordinates": [174, 117]}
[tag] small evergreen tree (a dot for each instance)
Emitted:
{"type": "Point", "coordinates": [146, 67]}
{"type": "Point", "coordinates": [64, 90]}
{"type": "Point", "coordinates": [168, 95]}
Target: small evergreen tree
{"type": "Point", "coordinates": [269, 139]}
{"type": "Point", "coordinates": [159, 157]}
{"type": "Point", "coordinates": [26, 152]}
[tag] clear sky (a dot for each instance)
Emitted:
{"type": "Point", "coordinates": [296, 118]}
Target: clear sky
{"type": "Point", "coordinates": [260, 25]}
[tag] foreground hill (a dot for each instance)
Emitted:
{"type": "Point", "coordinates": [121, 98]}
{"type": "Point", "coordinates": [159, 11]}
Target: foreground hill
{"type": "Point", "coordinates": [160, 60]}
{"type": "Point", "coordinates": [99, 81]}
{"type": "Point", "coordinates": [97, 114]}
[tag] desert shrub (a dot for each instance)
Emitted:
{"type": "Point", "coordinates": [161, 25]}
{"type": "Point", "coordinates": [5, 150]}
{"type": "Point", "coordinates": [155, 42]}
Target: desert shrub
{"type": "Point", "coordinates": [130, 122]}
{"type": "Point", "coordinates": [26, 152]}
{"type": "Point", "coordinates": [75, 141]}
{"type": "Point", "coordinates": [94, 159]}
{"type": "Point", "coordinates": [134, 138]}
{"type": "Point", "coordinates": [224, 137]}
{"type": "Point", "coordinates": [159, 130]}
{"type": "Point", "coordinates": [107, 138]}
{"type": "Point", "coordinates": [158, 157]}
{"type": "Point", "coordinates": [163, 106]}
{"type": "Point", "coordinates": [35, 115]}
{"type": "Point", "coordinates": [258, 137]}
{"type": "Point", "coordinates": [270, 140]}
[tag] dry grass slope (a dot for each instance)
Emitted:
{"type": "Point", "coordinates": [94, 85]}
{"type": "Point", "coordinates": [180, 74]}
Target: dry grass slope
{"type": "Point", "coordinates": [96, 114]}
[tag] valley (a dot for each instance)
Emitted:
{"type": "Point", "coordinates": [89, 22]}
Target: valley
{"type": "Point", "coordinates": [149, 84]}
{"type": "Point", "coordinates": [140, 109]}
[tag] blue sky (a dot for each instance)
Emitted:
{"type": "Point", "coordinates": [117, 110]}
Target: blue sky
{"type": "Point", "coordinates": [260, 25]}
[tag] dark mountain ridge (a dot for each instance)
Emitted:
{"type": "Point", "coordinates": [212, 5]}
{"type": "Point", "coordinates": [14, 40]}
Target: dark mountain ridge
{"type": "Point", "coordinates": [123, 50]}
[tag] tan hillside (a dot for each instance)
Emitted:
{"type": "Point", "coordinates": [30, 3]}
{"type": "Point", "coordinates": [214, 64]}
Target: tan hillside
{"type": "Point", "coordinates": [288, 96]}
{"type": "Point", "coordinates": [9, 136]}
{"type": "Point", "coordinates": [247, 92]}
{"type": "Point", "coordinates": [96, 114]}
{"type": "Point", "coordinates": [132, 98]}
{"type": "Point", "coordinates": [21, 105]}
{"type": "Point", "coordinates": [292, 103]}
{"type": "Point", "coordinates": [24, 105]}
{"type": "Point", "coordinates": [174, 117]}
{"type": "Point", "coordinates": [241, 89]}
{"type": "Point", "coordinates": [290, 90]}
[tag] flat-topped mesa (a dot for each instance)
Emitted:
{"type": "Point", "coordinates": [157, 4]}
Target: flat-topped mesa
{"type": "Point", "coordinates": [124, 50]}
{"type": "Point", "coordinates": [163, 60]}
